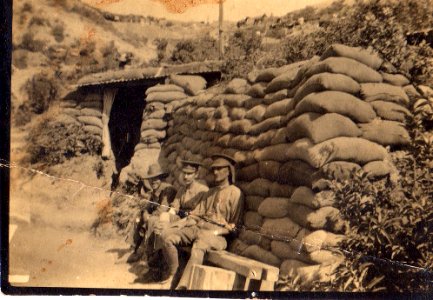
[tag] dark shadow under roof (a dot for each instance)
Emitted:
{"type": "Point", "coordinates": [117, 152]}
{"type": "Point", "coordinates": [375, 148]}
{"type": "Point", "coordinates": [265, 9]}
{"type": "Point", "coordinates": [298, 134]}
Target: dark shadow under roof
{"type": "Point", "coordinates": [131, 74]}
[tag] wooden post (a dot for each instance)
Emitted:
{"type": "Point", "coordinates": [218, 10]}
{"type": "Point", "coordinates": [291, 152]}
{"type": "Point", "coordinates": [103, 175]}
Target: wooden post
{"type": "Point", "coordinates": [220, 30]}
{"type": "Point", "coordinates": [108, 99]}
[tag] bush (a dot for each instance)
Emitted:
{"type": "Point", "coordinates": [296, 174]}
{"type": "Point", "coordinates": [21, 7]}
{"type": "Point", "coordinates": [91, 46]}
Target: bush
{"type": "Point", "coordinates": [242, 53]}
{"type": "Point", "coordinates": [27, 7]}
{"type": "Point", "coordinates": [201, 49]}
{"type": "Point", "coordinates": [41, 90]}
{"type": "Point", "coordinates": [58, 32]}
{"type": "Point", "coordinates": [38, 21]}
{"type": "Point", "coordinates": [28, 42]}
{"type": "Point", "coordinates": [19, 59]}
{"type": "Point", "coordinates": [52, 142]}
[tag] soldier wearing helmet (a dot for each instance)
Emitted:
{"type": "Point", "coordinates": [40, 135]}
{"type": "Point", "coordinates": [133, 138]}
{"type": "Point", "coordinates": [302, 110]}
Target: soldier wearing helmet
{"type": "Point", "coordinates": [217, 215]}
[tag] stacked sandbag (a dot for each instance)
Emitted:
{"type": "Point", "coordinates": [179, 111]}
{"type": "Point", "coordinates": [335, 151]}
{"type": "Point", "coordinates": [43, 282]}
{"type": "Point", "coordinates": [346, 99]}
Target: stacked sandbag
{"type": "Point", "coordinates": [69, 111]}
{"type": "Point", "coordinates": [293, 129]}
{"type": "Point", "coordinates": [90, 114]}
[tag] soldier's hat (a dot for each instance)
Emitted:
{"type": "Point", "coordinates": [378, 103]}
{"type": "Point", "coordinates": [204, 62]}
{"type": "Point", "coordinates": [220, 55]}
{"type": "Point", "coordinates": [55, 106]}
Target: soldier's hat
{"type": "Point", "coordinates": [190, 166]}
{"type": "Point", "coordinates": [154, 171]}
{"type": "Point", "coordinates": [222, 160]}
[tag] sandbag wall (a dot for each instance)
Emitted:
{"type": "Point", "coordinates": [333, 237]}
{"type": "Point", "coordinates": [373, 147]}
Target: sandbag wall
{"type": "Point", "coordinates": [292, 129]}
{"type": "Point", "coordinates": [87, 113]}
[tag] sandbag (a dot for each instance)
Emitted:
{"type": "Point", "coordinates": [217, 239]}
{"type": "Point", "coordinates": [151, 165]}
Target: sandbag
{"type": "Point", "coordinates": [305, 196]}
{"type": "Point", "coordinates": [203, 113]}
{"type": "Point", "coordinates": [235, 100]}
{"type": "Point", "coordinates": [316, 273]}
{"type": "Point", "coordinates": [395, 79]}
{"type": "Point", "coordinates": [281, 190]}
{"type": "Point", "coordinates": [411, 91]}
{"type": "Point", "coordinates": [327, 81]}
{"type": "Point", "coordinates": [223, 125]}
{"type": "Point", "coordinates": [346, 66]}
{"type": "Point", "coordinates": [321, 239]}
{"type": "Point", "coordinates": [269, 169]}
{"type": "Point", "coordinates": [73, 112]}
{"type": "Point", "coordinates": [149, 140]}
{"type": "Point", "coordinates": [264, 139]}
{"type": "Point", "coordinates": [252, 102]}
{"type": "Point", "coordinates": [237, 113]}
{"type": "Point", "coordinates": [221, 112]}
{"type": "Point", "coordinates": [248, 173]}
{"type": "Point", "coordinates": [282, 81]}
{"type": "Point", "coordinates": [147, 146]}
{"type": "Point", "coordinates": [253, 202]}
{"type": "Point", "coordinates": [67, 119]}
{"type": "Point", "coordinates": [280, 228]}
{"type": "Point", "coordinates": [284, 250]}
{"type": "Point", "coordinates": [279, 108]}
{"type": "Point", "coordinates": [426, 91]}
{"type": "Point", "coordinates": [242, 142]}
{"type": "Point", "coordinates": [264, 126]}
{"type": "Point", "coordinates": [240, 126]}
{"type": "Point", "coordinates": [153, 124]}
{"type": "Point", "coordinates": [273, 207]}
{"type": "Point", "coordinates": [323, 218]}
{"type": "Point", "coordinates": [91, 112]}
{"type": "Point", "coordinates": [96, 104]}
{"type": "Point", "coordinates": [237, 247]}
{"type": "Point", "coordinates": [209, 125]}
{"type": "Point", "coordinates": [273, 152]}
{"type": "Point", "coordinates": [377, 169]}
{"type": "Point", "coordinates": [289, 267]}
{"type": "Point", "coordinates": [256, 113]}
{"type": "Point", "coordinates": [68, 104]}
{"type": "Point", "coordinates": [237, 86]}
{"type": "Point", "coordinates": [385, 132]}
{"type": "Point", "coordinates": [385, 92]}
{"type": "Point", "coordinates": [258, 187]}
{"type": "Point", "coordinates": [253, 220]}
{"type": "Point", "coordinates": [257, 90]}
{"type": "Point", "coordinates": [325, 257]}
{"type": "Point", "coordinates": [252, 75]}
{"type": "Point", "coordinates": [337, 102]}
{"type": "Point", "coordinates": [338, 170]}
{"type": "Point", "coordinates": [255, 238]}
{"type": "Point", "coordinates": [277, 96]}
{"type": "Point", "coordinates": [279, 137]}
{"type": "Point", "coordinates": [215, 101]}
{"type": "Point", "coordinates": [165, 97]}
{"type": "Point", "coordinates": [242, 157]}
{"type": "Point", "coordinates": [157, 114]}
{"type": "Point", "coordinates": [212, 151]}
{"type": "Point", "coordinates": [164, 88]}
{"type": "Point", "coordinates": [191, 84]}
{"type": "Point", "coordinates": [320, 128]}
{"type": "Point", "coordinates": [93, 130]}
{"type": "Point", "coordinates": [224, 140]}
{"type": "Point", "coordinates": [390, 111]}
{"type": "Point", "coordinates": [259, 254]}
{"type": "Point", "coordinates": [296, 172]}
{"type": "Point", "coordinates": [160, 134]}
{"type": "Point", "coordinates": [350, 149]}
{"type": "Point", "coordinates": [366, 56]}
{"type": "Point", "coordinates": [89, 120]}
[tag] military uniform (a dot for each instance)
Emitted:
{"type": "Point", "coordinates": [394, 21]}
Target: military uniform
{"type": "Point", "coordinates": [222, 205]}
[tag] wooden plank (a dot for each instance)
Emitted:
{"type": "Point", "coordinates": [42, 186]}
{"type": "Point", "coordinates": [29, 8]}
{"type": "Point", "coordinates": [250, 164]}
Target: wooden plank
{"type": "Point", "coordinates": [211, 279]}
{"type": "Point", "coordinates": [267, 272]}
{"type": "Point", "coordinates": [266, 285]}
{"type": "Point", "coordinates": [240, 265]}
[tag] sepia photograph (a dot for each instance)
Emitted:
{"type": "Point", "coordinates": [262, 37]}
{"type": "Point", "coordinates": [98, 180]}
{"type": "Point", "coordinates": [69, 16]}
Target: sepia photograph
{"type": "Point", "coordinates": [219, 148]}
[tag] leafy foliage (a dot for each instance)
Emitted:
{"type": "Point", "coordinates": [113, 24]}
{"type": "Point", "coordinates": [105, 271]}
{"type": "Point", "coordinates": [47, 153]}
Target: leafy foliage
{"type": "Point", "coordinates": [190, 50]}
{"type": "Point", "coordinates": [52, 142]}
{"type": "Point", "coordinates": [41, 90]}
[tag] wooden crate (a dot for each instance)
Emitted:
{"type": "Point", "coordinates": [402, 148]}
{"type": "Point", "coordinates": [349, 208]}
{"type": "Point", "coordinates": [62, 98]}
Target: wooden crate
{"type": "Point", "coordinates": [211, 279]}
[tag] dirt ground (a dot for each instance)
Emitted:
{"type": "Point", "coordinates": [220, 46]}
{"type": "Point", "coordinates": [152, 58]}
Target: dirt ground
{"type": "Point", "coordinates": [51, 243]}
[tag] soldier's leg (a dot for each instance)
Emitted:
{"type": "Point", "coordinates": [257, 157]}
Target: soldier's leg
{"type": "Point", "coordinates": [206, 240]}
{"type": "Point", "coordinates": [182, 237]}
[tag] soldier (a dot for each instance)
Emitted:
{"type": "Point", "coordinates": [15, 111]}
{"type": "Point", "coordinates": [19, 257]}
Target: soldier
{"type": "Point", "coordinates": [160, 195]}
{"type": "Point", "coordinates": [216, 216]}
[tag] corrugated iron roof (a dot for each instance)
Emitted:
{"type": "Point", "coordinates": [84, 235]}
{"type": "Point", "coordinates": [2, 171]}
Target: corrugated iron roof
{"type": "Point", "coordinates": [131, 74]}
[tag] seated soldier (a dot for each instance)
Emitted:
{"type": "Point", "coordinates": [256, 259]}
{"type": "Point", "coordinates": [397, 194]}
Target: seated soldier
{"type": "Point", "coordinates": [160, 195]}
{"type": "Point", "coordinates": [217, 215]}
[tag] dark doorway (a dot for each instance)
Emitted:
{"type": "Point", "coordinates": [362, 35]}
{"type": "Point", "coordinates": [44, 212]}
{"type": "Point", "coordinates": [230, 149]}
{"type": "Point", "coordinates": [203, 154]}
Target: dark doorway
{"type": "Point", "coordinates": [125, 121]}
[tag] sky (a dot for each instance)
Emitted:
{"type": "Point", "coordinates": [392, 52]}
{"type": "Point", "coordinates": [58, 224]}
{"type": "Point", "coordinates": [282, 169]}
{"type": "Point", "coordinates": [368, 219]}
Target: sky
{"type": "Point", "coordinates": [234, 10]}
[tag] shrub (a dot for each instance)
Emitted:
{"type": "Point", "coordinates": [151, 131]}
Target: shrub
{"type": "Point", "coordinates": [28, 42]}
{"type": "Point", "coordinates": [58, 32]}
{"type": "Point", "coordinates": [38, 21]}
{"type": "Point", "coordinates": [19, 59]}
{"type": "Point", "coordinates": [52, 142]}
{"type": "Point", "coordinates": [41, 90]}
{"type": "Point", "coordinates": [27, 7]}
{"type": "Point", "coordinates": [161, 47]}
